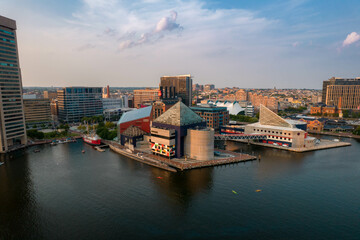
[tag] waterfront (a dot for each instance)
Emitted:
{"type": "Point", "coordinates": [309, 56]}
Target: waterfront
{"type": "Point", "coordinates": [60, 193]}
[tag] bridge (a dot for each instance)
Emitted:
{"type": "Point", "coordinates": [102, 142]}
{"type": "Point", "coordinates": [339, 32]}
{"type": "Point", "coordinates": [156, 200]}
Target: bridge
{"type": "Point", "coordinates": [239, 136]}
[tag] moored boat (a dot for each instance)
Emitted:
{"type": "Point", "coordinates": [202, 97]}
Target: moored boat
{"type": "Point", "coordinates": [92, 139]}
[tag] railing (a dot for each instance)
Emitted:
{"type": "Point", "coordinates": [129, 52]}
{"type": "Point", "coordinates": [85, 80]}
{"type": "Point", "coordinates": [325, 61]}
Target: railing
{"type": "Point", "coordinates": [239, 136]}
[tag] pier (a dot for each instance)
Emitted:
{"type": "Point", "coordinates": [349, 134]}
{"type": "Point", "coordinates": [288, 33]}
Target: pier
{"type": "Point", "coordinates": [324, 144]}
{"type": "Point", "coordinates": [175, 164]}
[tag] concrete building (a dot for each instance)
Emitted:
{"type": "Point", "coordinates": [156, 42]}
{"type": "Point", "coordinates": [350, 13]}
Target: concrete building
{"type": "Point", "coordinates": [169, 133]}
{"type": "Point", "coordinates": [280, 132]}
{"type": "Point", "coordinates": [74, 103]}
{"type": "Point", "coordinates": [50, 95]}
{"type": "Point", "coordinates": [348, 89]}
{"type": "Point", "coordinates": [106, 92]}
{"type": "Point", "coordinates": [176, 87]}
{"type": "Point", "coordinates": [145, 96]}
{"type": "Point", "coordinates": [213, 115]}
{"type": "Point", "coordinates": [37, 111]}
{"type": "Point", "coordinates": [12, 119]}
{"type": "Point", "coordinates": [241, 95]}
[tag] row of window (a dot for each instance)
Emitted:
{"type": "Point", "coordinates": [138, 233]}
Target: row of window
{"type": "Point", "coordinates": [7, 48]}
{"type": "Point", "coordinates": [279, 138]}
{"type": "Point", "coordinates": [7, 44]}
{"type": "Point", "coordinates": [11, 53]}
{"type": "Point", "coordinates": [268, 131]}
{"type": "Point", "coordinates": [7, 32]}
{"type": "Point", "coordinates": [4, 35]}
{"type": "Point", "coordinates": [8, 64]}
{"type": "Point", "coordinates": [7, 60]}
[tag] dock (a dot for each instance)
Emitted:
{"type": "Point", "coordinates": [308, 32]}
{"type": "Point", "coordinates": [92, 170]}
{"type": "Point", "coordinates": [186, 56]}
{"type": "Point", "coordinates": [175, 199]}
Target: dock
{"type": "Point", "coordinates": [175, 164]}
{"type": "Point", "coordinates": [324, 144]}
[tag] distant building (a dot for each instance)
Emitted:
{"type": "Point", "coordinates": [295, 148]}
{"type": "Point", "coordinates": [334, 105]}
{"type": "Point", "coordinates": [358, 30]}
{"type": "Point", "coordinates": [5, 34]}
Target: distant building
{"type": "Point", "coordinates": [12, 120]}
{"type": "Point", "coordinates": [159, 107]}
{"type": "Point", "coordinates": [250, 111]}
{"type": "Point", "coordinates": [348, 89]}
{"type": "Point", "coordinates": [37, 111]}
{"type": "Point", "coordinates": [29, 96]}
{"type": "Point", "coordinates": [176, 87]}
{"type": "Point", "coordinates": [213, 115]}
{"type": "Point", "coordinates": [111, 103]}
{"type": "Point", "coordinates": [74, 103]}
{"type": "Point", "coordinates": [241, 95]}
{"type": "Point", "coordinates": [50, 95]}
{"type": "Point", "coordinates": [180, 131]}
{"type": "Point", "coordinates": [106, 92]}
{"type": "Point", "coordinates": [209, 87]}
{"type": "Point", "coordinates": [145, 96]}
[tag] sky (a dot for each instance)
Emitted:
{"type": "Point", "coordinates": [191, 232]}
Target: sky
{"type": "Point", "coordinates": [234, 43]}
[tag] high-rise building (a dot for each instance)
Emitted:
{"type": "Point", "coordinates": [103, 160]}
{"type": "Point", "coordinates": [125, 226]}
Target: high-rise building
{"type": "Point", "coordinates": [176, 87]}
{"type": "Point", "coordinates": [12, 120]}
{"type": "Point", "coordinates": [106, 92]}
{"type": "Point", "coordinates": [37, 111]}
{"type": "Point", "coordinates": [145, 96]}
{"type": "Point", "coordinates": [346, 89]}
{"type": "Point", "coordinates": [75, 103]}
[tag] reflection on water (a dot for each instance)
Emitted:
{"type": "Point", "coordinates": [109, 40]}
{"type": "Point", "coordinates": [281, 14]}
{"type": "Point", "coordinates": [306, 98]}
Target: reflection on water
{"type": "Point", "coordinates": [17, 202]}
{"type": "Point", "coordinates": [180, 188]}
{"type": "Point", "coordinates": [62, 193]}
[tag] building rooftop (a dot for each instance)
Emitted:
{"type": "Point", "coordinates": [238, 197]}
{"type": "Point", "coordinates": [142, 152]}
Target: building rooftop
{"type": "Point", "coordinates": [179, 115]}
{"type": "Point", "coordinates": [135, 114]}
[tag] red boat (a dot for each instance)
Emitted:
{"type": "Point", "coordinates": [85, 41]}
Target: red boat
{"type": "Point", "coordinates": [92, 140]}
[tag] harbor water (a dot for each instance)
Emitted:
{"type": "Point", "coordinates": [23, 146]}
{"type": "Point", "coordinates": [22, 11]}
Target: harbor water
{"type": "Point", "coordinates": [62, 193]}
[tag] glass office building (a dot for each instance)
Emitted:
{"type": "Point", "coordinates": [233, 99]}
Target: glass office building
{"type": "Point", "coordinates": [12, 121]}
{"type": "Point", "coordinates": [74, 103]}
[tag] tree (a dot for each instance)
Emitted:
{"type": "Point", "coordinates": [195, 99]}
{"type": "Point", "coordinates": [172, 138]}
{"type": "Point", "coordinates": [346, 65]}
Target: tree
{"type": "Point", "coordinates": [357, 131]}
{"type": "Point", "coordinates": [35, 134]}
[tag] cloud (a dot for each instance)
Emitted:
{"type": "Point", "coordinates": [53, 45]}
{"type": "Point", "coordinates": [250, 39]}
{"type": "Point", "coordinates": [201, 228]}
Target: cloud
{"type": "Point", "coordinates": [351, 38]}
{"type": "Point", "coordinates": [296, 44]}
{"type": "Point", "coordinates": [166, 24]}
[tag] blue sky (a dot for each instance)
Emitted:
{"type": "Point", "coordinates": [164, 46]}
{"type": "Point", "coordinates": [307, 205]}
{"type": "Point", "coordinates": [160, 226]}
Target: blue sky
{"type": "Point", "coordinates": [249, 44]}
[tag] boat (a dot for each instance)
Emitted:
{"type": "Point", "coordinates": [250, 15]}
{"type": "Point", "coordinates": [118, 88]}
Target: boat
{"type": "Point", "coordinates": [36, 150]}
{"type": "Point", "coordinates": [1, 163]}
{"type": "Point", "coordinates": [53, 143]}
{"type": "Point", "coordinates": [92, 139]}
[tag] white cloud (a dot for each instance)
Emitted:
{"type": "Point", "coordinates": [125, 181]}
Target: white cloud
{"type": "Point", "coordinates": [351, 38]}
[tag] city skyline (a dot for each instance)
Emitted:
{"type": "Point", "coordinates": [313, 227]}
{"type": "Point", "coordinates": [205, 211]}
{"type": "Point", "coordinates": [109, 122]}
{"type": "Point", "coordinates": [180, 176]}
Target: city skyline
{"type": "Point", "coordinates": [292, 44]}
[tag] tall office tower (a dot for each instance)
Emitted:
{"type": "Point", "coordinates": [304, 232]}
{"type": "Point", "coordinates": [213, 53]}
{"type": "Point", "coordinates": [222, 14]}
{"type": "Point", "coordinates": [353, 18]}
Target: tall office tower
{"type": "Point", "coordinates": [348, 89]}
{"type": "Point", "coordinates": [12, 120]}
{"type": "Point", "coordinates": [175, 87]}
{"type": "Point", "coordinates": [75, 103]}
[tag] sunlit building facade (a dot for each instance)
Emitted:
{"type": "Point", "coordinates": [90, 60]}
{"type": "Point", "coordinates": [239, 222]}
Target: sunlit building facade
{"type": "Point", "coordinates": [12, 120]}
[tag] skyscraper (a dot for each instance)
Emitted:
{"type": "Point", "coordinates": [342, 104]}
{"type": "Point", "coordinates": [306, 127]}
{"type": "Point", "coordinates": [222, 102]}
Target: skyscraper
{"type": "Point", "coordinates": [176, 87]}
{"type": "Point", "coordinates": [75, 103]}
{"type": "Point", "coordinates": [12, 120]}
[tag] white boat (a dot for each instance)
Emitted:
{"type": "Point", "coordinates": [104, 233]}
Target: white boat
{"type": "Point", "coordinates": [1, 163]}
{"type": "Point", "coordinates": [336, 140]}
